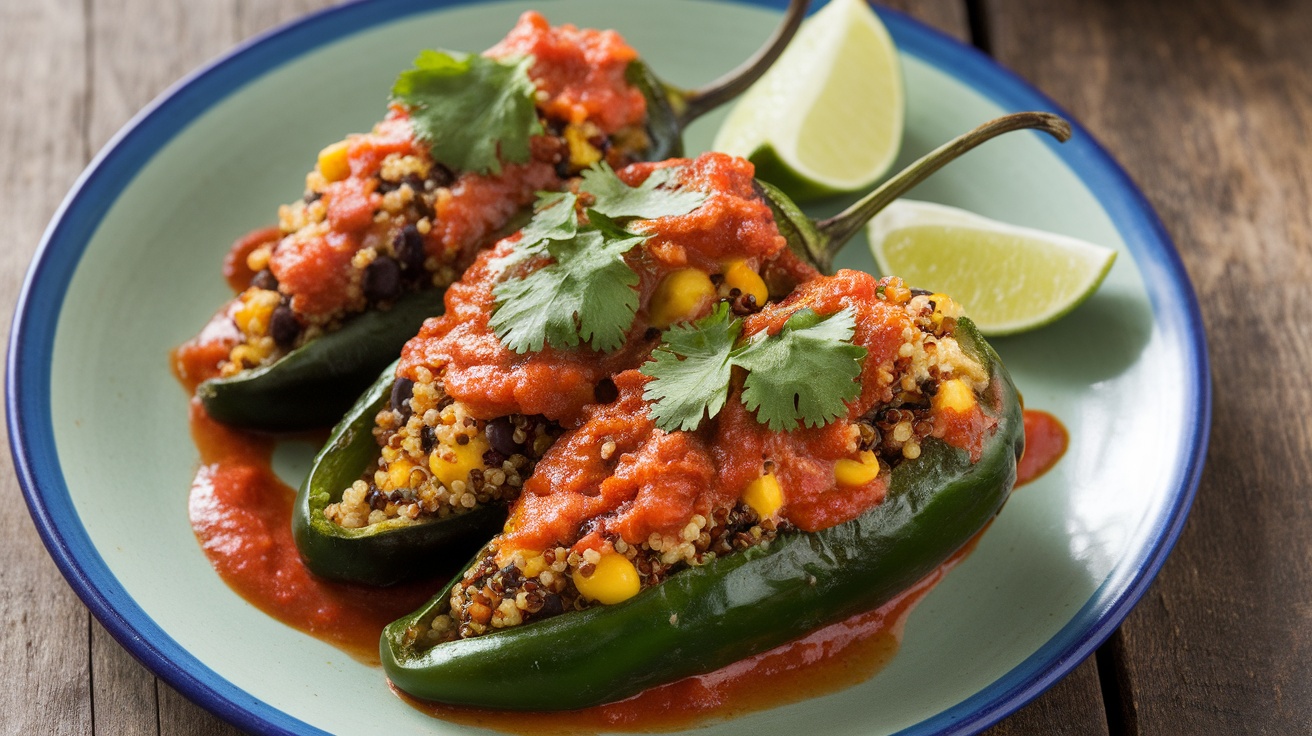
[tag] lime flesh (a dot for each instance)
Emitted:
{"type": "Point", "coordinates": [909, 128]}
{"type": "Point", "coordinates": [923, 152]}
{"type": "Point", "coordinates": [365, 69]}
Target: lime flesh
{"type": "Point", "coordinates": [1008, 279]}
{"type": "Point", "coordinates": [827, 117]}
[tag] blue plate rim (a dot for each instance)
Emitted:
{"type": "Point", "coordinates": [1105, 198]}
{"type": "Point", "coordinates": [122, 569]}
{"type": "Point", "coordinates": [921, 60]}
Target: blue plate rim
{"type": "Point", "coordinates": [27, 385]}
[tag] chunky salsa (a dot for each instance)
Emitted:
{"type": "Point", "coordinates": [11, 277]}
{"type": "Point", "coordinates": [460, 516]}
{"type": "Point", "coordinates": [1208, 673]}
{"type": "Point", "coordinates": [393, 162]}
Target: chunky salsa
{"type": "Point", "coordinates": [380, 217]}
{"type": "Point", "coordinates": [605, 503]}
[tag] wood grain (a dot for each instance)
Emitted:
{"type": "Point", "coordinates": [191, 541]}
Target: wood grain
{"type": "Point", "coordinates": [1208, 105]}
{"type": "Point", "coordinates": [44, 634]}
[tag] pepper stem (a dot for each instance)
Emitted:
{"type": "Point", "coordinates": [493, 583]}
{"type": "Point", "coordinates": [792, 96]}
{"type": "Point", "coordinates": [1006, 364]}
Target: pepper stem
{"type": "Point", "coordinates": [837, 230]}
{"type": "Point", "coordinates": [697, 102]}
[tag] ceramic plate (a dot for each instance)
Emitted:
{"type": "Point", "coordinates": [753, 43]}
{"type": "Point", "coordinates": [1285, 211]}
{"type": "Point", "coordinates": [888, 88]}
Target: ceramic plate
{"type": "Point", "coordinates": [130, 268]}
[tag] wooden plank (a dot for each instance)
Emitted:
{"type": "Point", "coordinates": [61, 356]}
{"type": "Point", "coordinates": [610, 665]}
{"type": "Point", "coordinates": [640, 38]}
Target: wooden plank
{"type": "Point", "coordinates": [122, 692]}
{"type": "Point", "coordinates": [44, 634]}
{"type": "Point", "coordinates": [181, 717]}
{"type": "Point", "coordinates": [1072, 707]}
{"type": "Point", "coordinates": [1207, 106]}
{"type": "Point", "coordinates": [948, 16]}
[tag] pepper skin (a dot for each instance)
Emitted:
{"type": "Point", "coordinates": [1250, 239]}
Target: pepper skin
{"type": "Point", "coordinates": [384, 553]}
{"type": "Point", "coordinates": [704, 618]}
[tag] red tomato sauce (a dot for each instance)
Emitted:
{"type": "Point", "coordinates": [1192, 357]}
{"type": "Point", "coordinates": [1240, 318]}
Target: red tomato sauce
{"type": "Point", "coordinates": [1045, 442]}
{"type": "Point", "coordinates": [198, 359]}
{"type": "Point", "coordinates": [582, 72]}
{"type": "Point", "coordinates": [494, 381]}
{"type": "Point", "coordinates": [241, 514]}
{"type": "Point", "coordinates": [235, 271]}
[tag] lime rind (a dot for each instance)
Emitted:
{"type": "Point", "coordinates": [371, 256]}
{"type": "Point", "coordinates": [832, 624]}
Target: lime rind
{"type": "Point", "coordinates": [828, 116]}
{"type": "Point", "coordinates": [1008, 278]}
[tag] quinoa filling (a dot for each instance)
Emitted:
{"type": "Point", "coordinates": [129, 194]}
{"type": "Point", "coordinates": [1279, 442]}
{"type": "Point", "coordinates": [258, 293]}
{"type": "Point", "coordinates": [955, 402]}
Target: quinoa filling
{"type": "Point", "coordinates": [509, 587]}
{"type": "Point", "coordinates": [405, 248]}
{"type": "Point", "coordinates": [436, 460]}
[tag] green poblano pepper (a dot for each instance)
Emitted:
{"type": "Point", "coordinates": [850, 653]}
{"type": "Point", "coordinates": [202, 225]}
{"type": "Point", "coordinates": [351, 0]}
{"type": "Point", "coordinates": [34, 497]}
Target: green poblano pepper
{"type": "Point", "coordinates": [704, 618]}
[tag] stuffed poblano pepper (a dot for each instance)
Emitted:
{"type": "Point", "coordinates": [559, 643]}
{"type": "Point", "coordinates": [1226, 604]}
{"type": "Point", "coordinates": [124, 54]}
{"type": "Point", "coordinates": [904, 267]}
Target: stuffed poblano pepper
{"type": "Point", "coordinates": [390, 218]}
{"type": "Point", "coordinates": [440, 446]}
{"type": "Point", "coordinates": [688, 550]}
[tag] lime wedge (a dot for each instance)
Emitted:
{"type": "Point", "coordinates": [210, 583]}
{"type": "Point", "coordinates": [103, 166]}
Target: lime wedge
{"type": "Point", "coordinates": [1008, 279]}
{"type": "Point", "coordinates": [827, 117]}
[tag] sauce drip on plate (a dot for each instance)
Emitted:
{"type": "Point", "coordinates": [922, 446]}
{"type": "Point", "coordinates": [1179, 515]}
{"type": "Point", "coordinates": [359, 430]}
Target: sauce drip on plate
{"type": "Point", "coordinates": [1045, 442]}
{"type": "Point", "coordinates": [241, 514]}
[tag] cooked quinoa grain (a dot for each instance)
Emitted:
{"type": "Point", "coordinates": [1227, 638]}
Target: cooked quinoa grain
{"type": "Point", "coordinates": [436, 460]}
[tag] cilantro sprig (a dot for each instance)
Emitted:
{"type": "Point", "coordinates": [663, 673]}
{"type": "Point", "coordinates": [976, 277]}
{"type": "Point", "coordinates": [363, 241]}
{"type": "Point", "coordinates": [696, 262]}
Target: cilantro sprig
{"type": "Point", "coordinates": [473, 112]}
{"type": "Point", "coordinates": [587, 294]}
{"type": "Point", "coordinates": [806, 373]}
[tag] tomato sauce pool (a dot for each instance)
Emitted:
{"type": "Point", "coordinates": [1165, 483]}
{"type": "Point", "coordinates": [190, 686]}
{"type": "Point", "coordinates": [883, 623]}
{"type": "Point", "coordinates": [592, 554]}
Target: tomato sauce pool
{"type": "Point", "coordinates": [241, 514]}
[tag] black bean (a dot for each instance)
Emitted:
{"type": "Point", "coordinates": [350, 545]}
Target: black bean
{"type": "Point", "coordinates": [551, 605]}
{"type": "Point", "coordinates": [283, 326]}
{"type": "Point", "coordinates": [605, 391]}
{"type": "Point", "coordinates": [441, 175]}
{"type": "Point", "coordinates": [921, 292]}
{"type": "Point", "coordinates": [414, 182]}
{"type": "Point", "coordinates": [510, 576]}
{"type": "Point", "coordinates": [427, 438]}
{"type": "Point", "coordinates": [501, 435]}
{"type": "Point", "coordinates": [402, 390]}
{"type": "Point", "coordinates": [563, 168]}
{"type": "Point", "coordinates": [264, 279]}
{"type": "Point", "coordinates": [408, 245]}
{"type": "Point", "coordinates": [382, 279]}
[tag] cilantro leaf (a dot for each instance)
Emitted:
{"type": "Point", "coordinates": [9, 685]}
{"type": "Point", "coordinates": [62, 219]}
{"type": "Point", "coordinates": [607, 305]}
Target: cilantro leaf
{"type": "Point", "coordinates": [555, 219]}
{"type": "Point", "coordinates": [473, 112]}
{"type": "Point", "coordinates": [588, 294]}
{"type": "Point", "coordinates": [658, 196]}
{"type": "Point", "coordinates": [805, 373]}
{"type": "Point", "coordinates": [691, 371]}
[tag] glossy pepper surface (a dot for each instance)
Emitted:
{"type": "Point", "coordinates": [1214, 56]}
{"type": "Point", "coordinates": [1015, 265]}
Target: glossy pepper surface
{"type": "Point", "coordinates": [704, 618]}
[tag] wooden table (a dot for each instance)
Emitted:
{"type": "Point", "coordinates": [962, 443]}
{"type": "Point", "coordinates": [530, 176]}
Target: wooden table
{"type": "Point", "coordinates": [1207, 104]}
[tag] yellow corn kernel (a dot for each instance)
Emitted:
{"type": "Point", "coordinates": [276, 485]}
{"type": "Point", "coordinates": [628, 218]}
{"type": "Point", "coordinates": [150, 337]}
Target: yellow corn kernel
{"type": "Point", "coordinates": [258, 259]}
{"type": "Point", "coordinates": [681, 295]}
{"type": "Point", "coordinates": [852, 473]}
{"type": "Point", "coordinates": [455, 462]}
{"type": "Point", "coordinates": [738, 275]}
{"type": "Point", "coordinates": [534, 564]}
{"type": "Point", "coordinates": [333, 163]}
{"type": "Point", "coordinates": [257, 305]}
{"type": "Point", "coordinates": [398, 474]}
{"type": "Point", "coordinates": [582, 153]}
{"type": "Point", "coordinates": [944, 306]}
{"type": "Point", "coordinates": [955, 395]}
{"type": "Point", "coordinates": [614, 580]}
{"type": "Point", "coordinates": [764, 495]}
